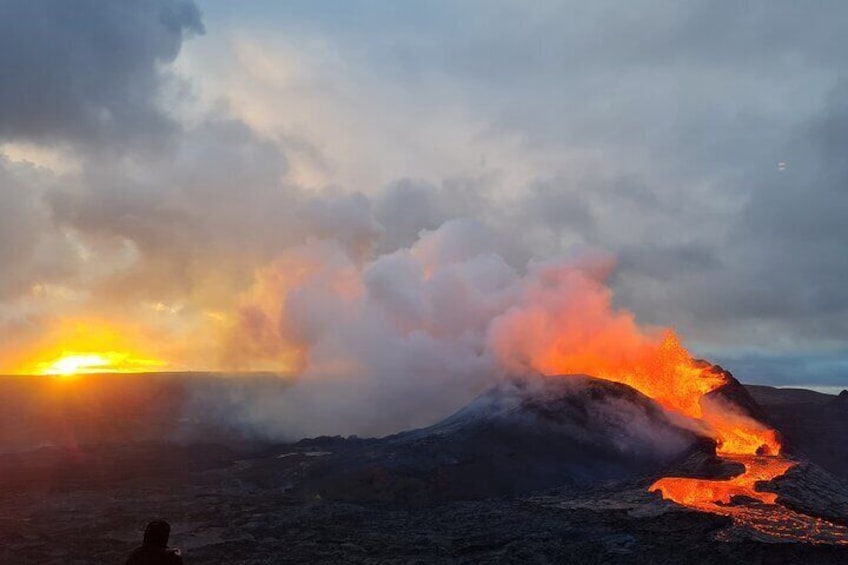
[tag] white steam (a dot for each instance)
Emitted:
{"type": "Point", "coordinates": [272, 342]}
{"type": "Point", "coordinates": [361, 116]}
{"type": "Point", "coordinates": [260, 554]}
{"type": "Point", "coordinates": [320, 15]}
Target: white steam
{"type": "Point", "coordinates": [385, 343]}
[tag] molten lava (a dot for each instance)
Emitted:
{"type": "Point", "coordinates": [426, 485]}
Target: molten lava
{"type": "Point", "coordinates": [664, 371]}
{"type": "Point", "coordinates": [739, 499]}
{"type": "Point", "coordinates": [680, 384]}
{"type": "Point", "coordinates": [706, 495]}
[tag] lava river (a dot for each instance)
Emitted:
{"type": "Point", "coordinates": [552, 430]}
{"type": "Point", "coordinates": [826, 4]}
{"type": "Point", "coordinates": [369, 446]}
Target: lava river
{"type": "Point", "coordinates": [757, 448]}
{"type": "Point", "coordinates": [739, 498]}
{"type": "Point", "coordinates": [667, 373]}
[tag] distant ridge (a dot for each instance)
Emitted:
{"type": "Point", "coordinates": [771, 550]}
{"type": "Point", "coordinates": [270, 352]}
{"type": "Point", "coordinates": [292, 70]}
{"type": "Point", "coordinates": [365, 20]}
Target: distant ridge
{"type": "Point", "coordinates": [769, 395]}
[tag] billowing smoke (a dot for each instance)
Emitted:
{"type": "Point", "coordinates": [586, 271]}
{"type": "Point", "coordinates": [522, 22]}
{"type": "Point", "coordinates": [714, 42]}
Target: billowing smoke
{"type": "Point", "coordinates": [156, 225]}
{"type": "Point", "coordinates": [387, 342]}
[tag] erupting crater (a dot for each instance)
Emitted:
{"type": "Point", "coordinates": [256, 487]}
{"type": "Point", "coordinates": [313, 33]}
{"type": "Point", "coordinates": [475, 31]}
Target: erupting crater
{"type": "Point", "coordinates": [741, 438]}
{"type": "Point", "coordinates": [718, 404]}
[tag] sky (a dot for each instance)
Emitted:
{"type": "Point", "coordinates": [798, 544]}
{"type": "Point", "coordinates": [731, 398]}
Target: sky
{"type": "Point", "coordinates": [174, 174]}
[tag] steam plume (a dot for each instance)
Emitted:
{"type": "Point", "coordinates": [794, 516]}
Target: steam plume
{"type": "Point", "coordinates": [382, 343]}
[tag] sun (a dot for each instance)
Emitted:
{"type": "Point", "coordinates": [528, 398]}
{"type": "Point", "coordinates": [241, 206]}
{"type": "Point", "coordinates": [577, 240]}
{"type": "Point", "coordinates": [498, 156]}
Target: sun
{"type": "Point", "coordinates": [75, 363]}
{"type": "Point", "coordinates": [91, 346]}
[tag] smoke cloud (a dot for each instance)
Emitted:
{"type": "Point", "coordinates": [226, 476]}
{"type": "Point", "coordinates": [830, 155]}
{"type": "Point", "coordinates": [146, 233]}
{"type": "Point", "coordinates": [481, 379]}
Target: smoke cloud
{"type": "Point", "coordinates": [379, 223]}
{"type": "Point", "coordinates": [398, 340]}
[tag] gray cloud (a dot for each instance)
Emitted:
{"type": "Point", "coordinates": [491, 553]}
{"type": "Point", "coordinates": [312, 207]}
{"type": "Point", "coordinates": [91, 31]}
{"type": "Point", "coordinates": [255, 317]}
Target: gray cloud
{"type": "Point", "coordinates": [86, 76]}
{"type": "Point", "coordinates": [87, 70]}
{"type": "Point", "coordinates": [215, 197]}
{"type": "Point", "coordinates": [793, 229]}
{"type": "Point", "coordinates": [828, 369]}
{"type": "Point", "coordinates": [549, 204]}
{"type": "Point", "coordinates": [407, 207]}
{"type": "Point", "coordinates": [31, 248]}
{"type": "Point", "coordinates": [659, 129]}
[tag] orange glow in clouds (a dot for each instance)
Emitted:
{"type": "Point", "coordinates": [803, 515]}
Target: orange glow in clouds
{"type": "Point", "coordinates": [77, 347]}
{"type": "Point", "coordinates": [565, 323]}
{"type": "Point", "coordinates": [87, 363]}
{"type": "Point", "coordinates": [667, 373]}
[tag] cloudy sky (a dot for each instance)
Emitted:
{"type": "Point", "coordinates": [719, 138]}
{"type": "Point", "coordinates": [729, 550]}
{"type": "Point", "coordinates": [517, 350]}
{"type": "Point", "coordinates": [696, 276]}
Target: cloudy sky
{"type": "Point", "coordinates": [161, 160]}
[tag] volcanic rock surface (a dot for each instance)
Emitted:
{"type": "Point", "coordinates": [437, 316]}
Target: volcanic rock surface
{"type": "Point", "coordinates": [814, 425]}
{"type": "Point", "coordinates": [456, 492]}
{"type": "Point", "coordinates": [519, 437]}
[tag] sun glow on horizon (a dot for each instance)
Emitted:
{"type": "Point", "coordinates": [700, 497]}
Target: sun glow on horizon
{"type": "Point", "coordinates": [79, 363]}
{"type": "Point", "coordinates": [77, 346]}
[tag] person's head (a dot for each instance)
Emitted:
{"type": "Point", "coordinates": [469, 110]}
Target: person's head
{"type": "Point", "coordinates": [156, 534]}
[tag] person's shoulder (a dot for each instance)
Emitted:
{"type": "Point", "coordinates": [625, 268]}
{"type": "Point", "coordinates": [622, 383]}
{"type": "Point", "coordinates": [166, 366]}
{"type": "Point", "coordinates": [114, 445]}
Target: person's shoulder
{"type": "Point", "coordinates": [173, 556]}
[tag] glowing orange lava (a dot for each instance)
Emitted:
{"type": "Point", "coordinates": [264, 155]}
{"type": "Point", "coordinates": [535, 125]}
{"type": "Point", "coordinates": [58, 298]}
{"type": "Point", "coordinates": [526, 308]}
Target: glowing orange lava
{"type": "Point", "coordinates": [739, 499]}
{"type": "Point", "coordinates": [707, 494]}
{"type": "Point", "coordinates": [666, 372]}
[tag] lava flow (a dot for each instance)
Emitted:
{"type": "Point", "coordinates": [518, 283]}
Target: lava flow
{"type": "Point", "coordinates": [665, 372]}
{"type": "Point", "coordinates": [706, 494]}
{"type": "Point", "coordinates": [739, 499]}
{"type": "Point", "coordinates": [756, 447]}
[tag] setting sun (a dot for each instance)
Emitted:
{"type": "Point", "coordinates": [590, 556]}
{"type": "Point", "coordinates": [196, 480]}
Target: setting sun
{"type": "Point", "coordinates": [76, 346]}
{"type": "Point", "coordinates": [86, 363]}
{"type": "Point", "coordinates": [73, 364]}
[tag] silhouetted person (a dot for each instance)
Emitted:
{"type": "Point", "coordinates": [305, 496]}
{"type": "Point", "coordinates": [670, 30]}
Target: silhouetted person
{"type": "Point", "coordinates": [154, 549]}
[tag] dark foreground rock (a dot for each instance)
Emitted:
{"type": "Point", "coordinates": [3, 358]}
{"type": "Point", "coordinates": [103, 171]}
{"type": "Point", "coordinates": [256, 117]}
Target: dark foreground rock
{"type": "Point", "coordinates": [557, 476]}
{"type": "Point", "coordinates": [809, 489]}
{"type": "Point", "coordinates": [519, 437]}
{"type": "Point", "coordinates": [220, 514]}
{"type": "Point", "coordinates": [814, 425]}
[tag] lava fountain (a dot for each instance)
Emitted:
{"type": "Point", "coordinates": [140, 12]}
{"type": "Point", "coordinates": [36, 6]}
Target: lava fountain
{"type": "Point", "coordinates": [552, 332]}
{"type": "Point", "coordinates": [669, 375]}
{"type": "Point", "coordinates": [739, 439]}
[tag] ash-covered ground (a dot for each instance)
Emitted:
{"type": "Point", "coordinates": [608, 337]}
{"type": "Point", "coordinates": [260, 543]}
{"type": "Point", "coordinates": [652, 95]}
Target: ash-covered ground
{"type": "Point", "coordinates": [551, 472]}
